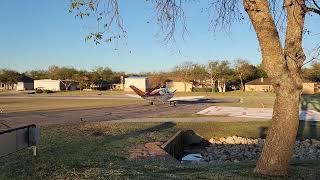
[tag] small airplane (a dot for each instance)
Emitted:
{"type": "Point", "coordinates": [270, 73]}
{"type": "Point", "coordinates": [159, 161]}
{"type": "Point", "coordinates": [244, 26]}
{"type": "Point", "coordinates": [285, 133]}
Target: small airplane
{"type": "Point", "coordinates": [162, 95]}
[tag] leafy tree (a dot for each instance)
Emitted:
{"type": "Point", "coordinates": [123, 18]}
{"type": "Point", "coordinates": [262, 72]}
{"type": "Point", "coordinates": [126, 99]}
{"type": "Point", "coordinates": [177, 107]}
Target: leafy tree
{"type": "Point", "coordinates": [244, 71]}
{"type": "Point", "coordinates": [65, 74]}
{"type": "Point", "coordinates": [224, 74]}
{"type": "Point", "coordinates": [281, 61]}
{"type": "Point", "coordinates": [9, 78]}
{"type": "Point", "coordinates": [83, 78]}
{"type": "Point", "coordinates": [312, 73]}
{"type": "Point", "coordinates": [199, 74]}
{"type": "Point", "coordinates": [260, 72]}
{"type": "Point", "coordinates": [37, 74]}
{"type": "Point", "coordinates": [212, 69]}
{"type": "Point", "coordinates": [184, 72]}
{"type": "Point", "coordinates": [102, 75]}
{"type": "Point", "coordinates": [157, 78]}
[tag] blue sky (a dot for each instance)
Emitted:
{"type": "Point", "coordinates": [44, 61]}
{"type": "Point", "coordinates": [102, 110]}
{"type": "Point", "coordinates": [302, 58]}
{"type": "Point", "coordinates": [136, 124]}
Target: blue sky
{"type": "Point", "coordinates": [35, 34]}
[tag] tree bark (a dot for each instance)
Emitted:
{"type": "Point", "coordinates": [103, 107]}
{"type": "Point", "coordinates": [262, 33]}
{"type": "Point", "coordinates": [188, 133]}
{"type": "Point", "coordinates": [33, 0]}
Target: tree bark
{"type": "Point", "coordinates": [213, 85]}
{"type": "Point", "coordinates": [219, 86]}
{"type": "Point", "coordinates": [283, 66]}
{"type": "Point", "coordinates": [241, 82]}
{"type": "Point", "coordinates": [224, 87]}
{"type": "Point", "coordinates": [278, 149]}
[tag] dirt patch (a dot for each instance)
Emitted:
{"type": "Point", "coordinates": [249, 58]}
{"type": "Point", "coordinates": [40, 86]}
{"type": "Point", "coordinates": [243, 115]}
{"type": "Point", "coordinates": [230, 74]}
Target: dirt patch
{"type": "Point", "coordinates": [151, 150]}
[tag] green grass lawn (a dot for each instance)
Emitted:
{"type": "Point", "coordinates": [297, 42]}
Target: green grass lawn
{"type": "Point", "coordinates": [66, 93]}
{"type": "Point", "coordinates": [248, 99]}
{"type": "Point", "coordinates": [84, 93]}
{"type": "Point", "coordinates": [19, 105]}
{"type": "Point", "coordinates": [100, 151]}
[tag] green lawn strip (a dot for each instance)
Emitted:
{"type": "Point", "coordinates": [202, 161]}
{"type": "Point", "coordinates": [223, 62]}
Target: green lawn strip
{"type": "Point", "coordinates": [84, 93]}
{"type": "Point", "coordinates": [100, 151]}
{"type": "Point", "coordinates": [19, 105]}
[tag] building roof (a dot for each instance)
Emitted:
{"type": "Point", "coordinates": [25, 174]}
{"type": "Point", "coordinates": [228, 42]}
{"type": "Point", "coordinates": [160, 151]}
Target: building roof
{"type": "Point", "coordinates": [25, 79]}
{"type": "Point", "coordinates": [136, 77]}
{"type": "Point", "coordinates": [267, 81]}
{"type": "Point", "coordinates": [260, 81]}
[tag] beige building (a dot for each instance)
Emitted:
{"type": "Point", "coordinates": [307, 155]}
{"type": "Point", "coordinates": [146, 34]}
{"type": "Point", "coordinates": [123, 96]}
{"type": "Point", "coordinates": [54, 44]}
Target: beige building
{"type": "Point", "coordinates": [264, 84]}
{"type": "Point", "coordinates": [141, 83]}
{"type": "Point", "coordinates": [22, 86]}
{"type": "Point", "coordinates": [24, 83]}
{"type": "Point", "coordinates": [310, 88]}
{"type": "Point", "coordinates": [179, 86]}
{"type": "Point", "coordinates": [53, 85]}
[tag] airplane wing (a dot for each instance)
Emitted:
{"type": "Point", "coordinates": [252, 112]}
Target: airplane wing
{"type": "Point", "coordinates": [155, 92]}
{"type": "Point", "coordinates": [187, 98]}
{"type": "Point", "coordinates": [152, 91]}
{"type": "Point", "coordinates": [134, 96]}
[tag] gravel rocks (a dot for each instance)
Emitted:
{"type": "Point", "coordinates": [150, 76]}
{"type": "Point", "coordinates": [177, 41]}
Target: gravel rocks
{"type": "Point", "coordinates": [236, 149]}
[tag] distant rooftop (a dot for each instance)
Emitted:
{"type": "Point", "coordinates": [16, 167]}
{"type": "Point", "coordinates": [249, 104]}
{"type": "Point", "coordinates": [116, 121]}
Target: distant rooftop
{"type": "Point", "coordinates": [260, 81]}
{"type": "Point", "coordinates": [267, 81]}
{"type": "Point", "coordinates": [137, 77]}
{"type": "Point", "coordinates": [25, 79]}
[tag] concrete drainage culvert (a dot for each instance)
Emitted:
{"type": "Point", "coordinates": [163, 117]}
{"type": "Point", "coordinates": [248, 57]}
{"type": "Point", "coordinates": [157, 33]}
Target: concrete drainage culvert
{"type": "Point", "coordinates": [188, 147]}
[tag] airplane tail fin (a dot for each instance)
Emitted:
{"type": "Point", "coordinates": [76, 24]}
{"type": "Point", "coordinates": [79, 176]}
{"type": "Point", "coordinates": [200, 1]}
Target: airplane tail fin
{"type": "Point", "coordinates": [137, 91]}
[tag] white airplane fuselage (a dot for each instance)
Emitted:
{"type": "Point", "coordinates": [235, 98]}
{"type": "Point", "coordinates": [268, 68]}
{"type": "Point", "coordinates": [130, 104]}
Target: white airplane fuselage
{"type": "Point", "coordinates": [159, 98]}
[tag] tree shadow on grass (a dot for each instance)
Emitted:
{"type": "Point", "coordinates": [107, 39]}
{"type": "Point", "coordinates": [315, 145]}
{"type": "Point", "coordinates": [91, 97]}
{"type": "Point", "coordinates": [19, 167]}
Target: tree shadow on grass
{"type": "Point", "coordinates": [158, 128]}
{"type": "Point", "coordinates": [308, 128]}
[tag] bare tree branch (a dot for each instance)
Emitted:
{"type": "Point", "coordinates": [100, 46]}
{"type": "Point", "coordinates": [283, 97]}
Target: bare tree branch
{"type": "Point", "coordinates": [314, 10]}
{"type": "Point", "coordinates": [109, 23]}
{"type": "Point", "coordinates": [224, 13]}
{"type": "Point", "coordinates": [316, 4]}
{"type": "Point", "coordinates": [169, 16]}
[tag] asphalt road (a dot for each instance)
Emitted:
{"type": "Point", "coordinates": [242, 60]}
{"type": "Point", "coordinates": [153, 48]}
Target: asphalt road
{"type": "Point", "coordinates": [46, 118]}
{"type": "Point", "coordinates": [125, 113]}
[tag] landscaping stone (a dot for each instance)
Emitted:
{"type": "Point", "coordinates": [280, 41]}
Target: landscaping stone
{"type": "Point", "coordinates": [236, 149]}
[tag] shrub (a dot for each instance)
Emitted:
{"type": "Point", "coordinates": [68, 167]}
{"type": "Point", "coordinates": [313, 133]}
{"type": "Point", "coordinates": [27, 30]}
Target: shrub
{"type": "Point", "coordinates": [47, 91]}
{"type": "Point", "coordinates": [203, 90]}
{"type": "Point", "coordinates": [39, 91]}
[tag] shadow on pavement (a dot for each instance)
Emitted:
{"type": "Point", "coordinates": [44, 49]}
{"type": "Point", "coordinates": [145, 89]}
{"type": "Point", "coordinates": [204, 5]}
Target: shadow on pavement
{"type": "Point", "coordinates": [209, 100]}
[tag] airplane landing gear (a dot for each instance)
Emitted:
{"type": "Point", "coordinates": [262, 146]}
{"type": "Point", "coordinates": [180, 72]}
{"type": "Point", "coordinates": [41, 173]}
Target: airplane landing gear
{"type": "Point", "coordinates": [173, 103]}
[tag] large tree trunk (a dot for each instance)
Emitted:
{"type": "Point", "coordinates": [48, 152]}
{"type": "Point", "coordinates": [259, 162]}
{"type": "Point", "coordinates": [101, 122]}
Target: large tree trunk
{"type": "Point", "coordinates": [213, 85]}
{"type": "Point", "coordinates": [241, 84]}
{"type": "Point", "coordinates": [277, 151]}
{"type": "Point", "coordinates": [219, 86]}
{"type": "Point", "coordinates": [224, 87]}
{"type": "Point", "coordinates": [283, 66]}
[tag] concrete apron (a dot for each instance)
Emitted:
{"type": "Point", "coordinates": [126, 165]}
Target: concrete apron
{"type": "Point", "coordinates": [264, 113]}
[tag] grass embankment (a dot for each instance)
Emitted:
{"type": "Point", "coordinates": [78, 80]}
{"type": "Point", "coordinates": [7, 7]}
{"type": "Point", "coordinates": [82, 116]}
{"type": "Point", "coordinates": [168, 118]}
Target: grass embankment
{"type": "Point", "coordinates": [84, 93]}
{"type": "Point", "coordinates": [247, 99]}
{"type": "Point", "coordinates": [100, 151]}
{"type": "Point", "coordinates": [32, 104]}
{"type": "Point", "coordinates": [64, 93]}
